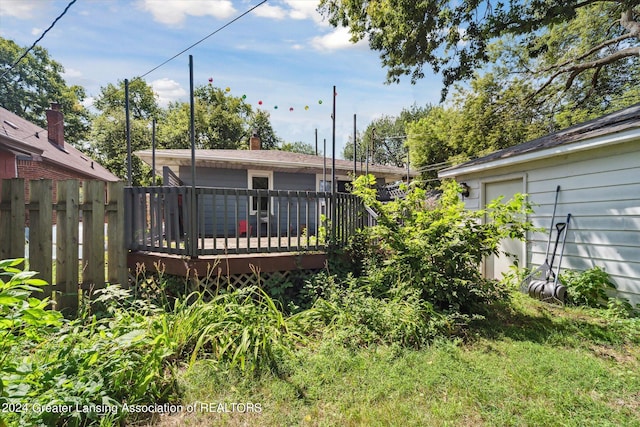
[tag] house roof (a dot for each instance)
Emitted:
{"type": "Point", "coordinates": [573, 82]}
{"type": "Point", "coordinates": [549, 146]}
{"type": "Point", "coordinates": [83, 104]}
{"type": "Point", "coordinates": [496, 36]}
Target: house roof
{"type": "Point", "coordinates": [616, 127]}
{"type": "Point", "coordinates": [20, 136]}
{"type": "Point", "coordinates": [275, 160]}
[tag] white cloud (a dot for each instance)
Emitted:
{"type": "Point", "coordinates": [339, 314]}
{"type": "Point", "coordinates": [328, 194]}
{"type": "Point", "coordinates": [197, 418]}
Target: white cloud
{"type": "Point", "coordinates": [268, 11]}
{"type": "Point", "coordinates": [71, 73]}
{"type": "Point", "coordinates": [168, 91]}
{"type": "Point", "coordinates": [174, 12]}
{"type": "Point", "coordinates": [340, 38]}
{"type": "Point", "coordinates": [36, 31]}
{"type": "Point", "coordinates": [21, 9]}
{"type": "Point", "coordinates": [304, 9]}
{"type": "Point", "coordinates": [293, 9]}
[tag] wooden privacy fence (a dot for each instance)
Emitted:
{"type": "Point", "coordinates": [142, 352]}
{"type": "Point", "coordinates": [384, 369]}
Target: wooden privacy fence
{"type": "Point", "coordinates": [90, 203]}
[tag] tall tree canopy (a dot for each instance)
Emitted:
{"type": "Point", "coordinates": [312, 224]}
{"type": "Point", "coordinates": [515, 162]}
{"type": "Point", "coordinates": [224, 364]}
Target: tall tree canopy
{"type": "Point", "coordinates": [384, 139]}
{"type": "Point", "coordinates": [221, 121]}
{"type": "Point", "coordinates": [32, 84]}
{"type": "Point", "coordinates": [108, 134]}
{"type": "Point", "coordinates": [297, 147]}
{"type": "Point", "coordinates": [453, 36]}
{"type": "Point", "coordinates": [480, 119]}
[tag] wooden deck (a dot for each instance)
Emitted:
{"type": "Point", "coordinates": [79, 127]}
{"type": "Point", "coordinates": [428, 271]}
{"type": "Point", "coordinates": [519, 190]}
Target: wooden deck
{"type": "Point", "coordinates": [172, 228]}
{"type": "Point", "coordinates": [231, 264]}
{"type": "Point", "coordinates": [290, 243]}
{"type": "Point", "coordinates": [179, 220]}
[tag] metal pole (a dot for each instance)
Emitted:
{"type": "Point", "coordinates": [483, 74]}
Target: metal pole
{"type": "Point", "coordinates": [194, 212]}
{"type": "Point", "coordinates": [373, 135]}
{"type": "Point", "coordinates": [355, 148]}
{"type": "Point", "coordinates": [334, 185]}
{"type": "Point", "coordinates": [333, 141]}
{"type": "Point", "coordinates": [324, 175]}
{"type": "Point", "coordinates": [316, 141]}
{"type": "Point", "coordinates": [153, 151]}
{"type": "Point", "coordinates": [324, 166]}
{"type": "Point", "coordinates": [128, 129]}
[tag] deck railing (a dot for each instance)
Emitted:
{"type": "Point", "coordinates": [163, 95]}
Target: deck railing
{"type": "Point", "coordinates": [212, 221]}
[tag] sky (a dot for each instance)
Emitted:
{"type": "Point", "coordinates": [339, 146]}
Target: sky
{"type": "Point", "coordinates": [284, 57]}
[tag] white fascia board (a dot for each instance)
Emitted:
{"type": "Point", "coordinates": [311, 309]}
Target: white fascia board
{"type": "Point", "coordinates": [588, 144]}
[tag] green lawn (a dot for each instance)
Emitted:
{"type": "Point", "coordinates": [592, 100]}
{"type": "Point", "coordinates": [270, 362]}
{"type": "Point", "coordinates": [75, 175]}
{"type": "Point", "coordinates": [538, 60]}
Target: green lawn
{"type": "Point", "coordinates": [531, 365]}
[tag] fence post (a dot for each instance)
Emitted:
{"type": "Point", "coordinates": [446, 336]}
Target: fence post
{"type": "Point", "coordinates": [67, 246]}
{"type": "Point", "coordinates": [12, 219]}
{"type": "Point", "coordinates": [117, 251]}
{"type": "Point", "coordinates": [40, 230]}
{"type": "Point", "coordinates": [93, 274]}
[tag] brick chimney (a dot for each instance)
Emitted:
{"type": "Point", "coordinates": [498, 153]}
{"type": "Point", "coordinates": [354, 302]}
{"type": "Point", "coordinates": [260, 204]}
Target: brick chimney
{"type": "Point", "coordinates": [55, 124]}
{"type": "Point", "coordinates": [255, 142]}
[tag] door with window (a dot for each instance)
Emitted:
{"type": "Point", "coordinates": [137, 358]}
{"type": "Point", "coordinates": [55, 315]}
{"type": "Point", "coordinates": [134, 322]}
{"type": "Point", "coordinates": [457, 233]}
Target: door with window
{"type": "Point", "coordinates": [260, 205]}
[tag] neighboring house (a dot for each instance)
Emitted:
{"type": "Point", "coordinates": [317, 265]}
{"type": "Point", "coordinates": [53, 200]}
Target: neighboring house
{"type": "Point", "coordinates": [266, 170]}
{"type": "Point", "coordinates": [597, 166]}
{"type": "Point", "coordinates": [31, 152]}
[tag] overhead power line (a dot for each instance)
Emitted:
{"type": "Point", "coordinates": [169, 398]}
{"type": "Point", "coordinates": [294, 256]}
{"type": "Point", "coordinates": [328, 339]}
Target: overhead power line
{"type": "Point", "coordinates": [204, 38]}
{"type": "Point", "coordinates": [26, 52]}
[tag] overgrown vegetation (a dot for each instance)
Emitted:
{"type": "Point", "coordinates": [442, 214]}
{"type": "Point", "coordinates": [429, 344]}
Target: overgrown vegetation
{"type": "Point", "coordinates": [402, 317]}
{"type": "Point", "coordinates": [438, 249]}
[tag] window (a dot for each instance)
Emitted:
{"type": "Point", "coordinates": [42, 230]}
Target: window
{"type": "Point", "coordinates": [344, 184]}
{"type": "Point", "coordinates": [260, 180]}
{"type": "Point", "coordinates": [324, 185]}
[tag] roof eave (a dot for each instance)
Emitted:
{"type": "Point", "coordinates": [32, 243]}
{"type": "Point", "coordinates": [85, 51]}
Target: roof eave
{"type": "Point", "coordinates": [174, 159]}
{"type": "Point", "coordinates": [586, 144]}
{"type": "Point", "coordinates": [20, 146]}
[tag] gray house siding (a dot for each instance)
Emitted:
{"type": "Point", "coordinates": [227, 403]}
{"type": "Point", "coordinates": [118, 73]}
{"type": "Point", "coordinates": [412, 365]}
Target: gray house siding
{"type": "Point", "coordinates": [213, 177]}
{"type": "Point", "coordinates": [294, 215]}
{"type": "Point", "coordinates": [213, 207]}
{"type": "Point", "coordinates": [601, 189]}
{"type": "Point", "coordinates": [291, 212]}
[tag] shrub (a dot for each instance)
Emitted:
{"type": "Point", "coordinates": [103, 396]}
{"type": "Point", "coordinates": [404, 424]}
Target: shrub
{"type": "Point", "coordinates": [49, 361]}
{"type": "Point", "coordinates": [438, 248]}
{"type": "Point", "coordinates": [588, 287]}
{"type": "Point", "coordinates": [25, 323]}
{"type": "Point", "coordinates": [358, 318]}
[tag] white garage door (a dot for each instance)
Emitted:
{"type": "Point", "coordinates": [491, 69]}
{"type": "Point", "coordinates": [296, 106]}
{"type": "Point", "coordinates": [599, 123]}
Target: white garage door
{"type": "Point", "coordinates": [496, 265]}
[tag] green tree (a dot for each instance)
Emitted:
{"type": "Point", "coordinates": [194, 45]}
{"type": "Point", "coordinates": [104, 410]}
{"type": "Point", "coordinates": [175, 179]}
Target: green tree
{"type": "Point", "coordinates": [260, 123]}
{"type": "Point", "coordinates": [384, 139]}
{"type": "Point", "coordinates": [108, 135]}
{"type": "Point", "coordinates": [142, 100]}
{"type": "Point", "coordinates": [32, 84]}
{"type": "Point", "coordinates": [298, 147]}
{"type": "Point", "coordinates": [487, 116]}
{"type": "Point", "coordinates": [428, 141]}
{"type": "Point", "coordinates": [222, 121]}
{"type": "Point", "coordinates": [586, 92]}
{"type": "Point", "coordinates": [453, 37]}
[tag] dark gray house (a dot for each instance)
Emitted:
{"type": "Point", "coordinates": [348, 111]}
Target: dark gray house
{"type": "Point", "coordinates": [291, 174]}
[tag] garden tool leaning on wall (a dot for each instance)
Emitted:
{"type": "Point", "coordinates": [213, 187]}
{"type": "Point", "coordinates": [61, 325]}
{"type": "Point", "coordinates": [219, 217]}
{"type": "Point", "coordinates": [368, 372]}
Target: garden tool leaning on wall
{"type": "Point", "coordinates": [543, 283]}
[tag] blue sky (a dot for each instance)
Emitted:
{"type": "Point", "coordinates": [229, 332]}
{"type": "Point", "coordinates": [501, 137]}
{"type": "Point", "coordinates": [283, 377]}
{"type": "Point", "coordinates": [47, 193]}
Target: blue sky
{"type": "Point", "coordinates": [283, 54]}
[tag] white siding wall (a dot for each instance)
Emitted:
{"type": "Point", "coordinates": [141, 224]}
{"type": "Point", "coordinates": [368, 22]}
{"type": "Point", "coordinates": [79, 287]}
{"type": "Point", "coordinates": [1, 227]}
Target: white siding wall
{"type": "Point", "coordinates": [601, 189]}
